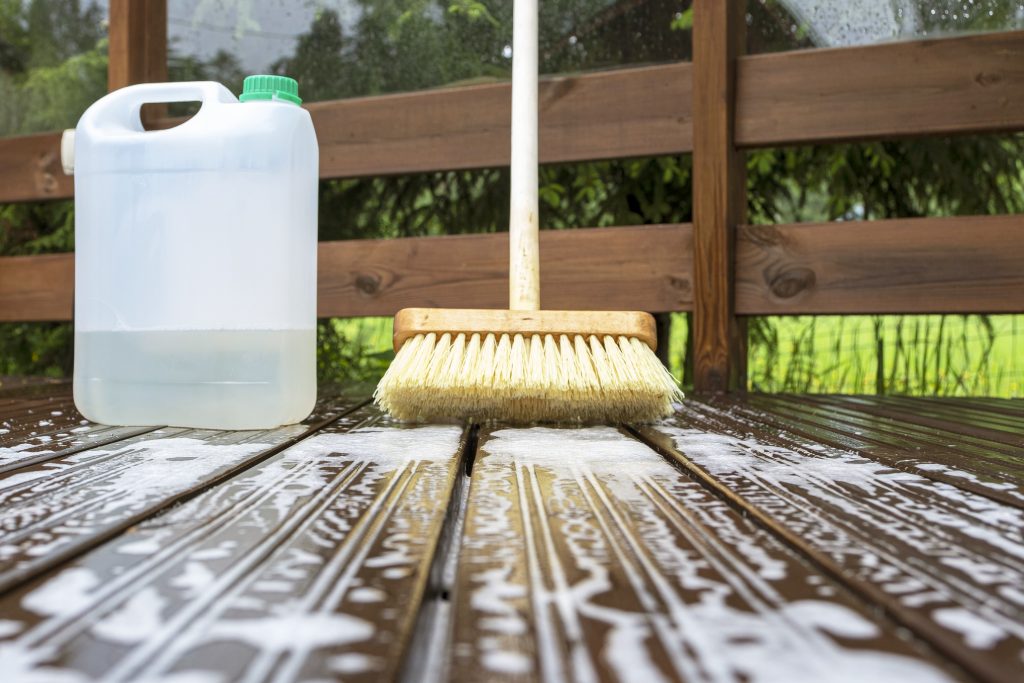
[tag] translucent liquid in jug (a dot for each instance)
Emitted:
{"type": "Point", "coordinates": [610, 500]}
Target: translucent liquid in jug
{"type": "Point", "coordinates": [192, 374]}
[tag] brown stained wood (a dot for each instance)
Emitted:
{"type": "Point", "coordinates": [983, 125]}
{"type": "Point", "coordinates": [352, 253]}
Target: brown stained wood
{"type": "Point", "coordinates": [1009, 406]}
{"type": "Point", "coordinates": [57, 509]}
{"type": "Point", "coordinates": [965, 84]}
{"type": "Point", "coordinates": [37, 287]}
{"type": "Point", "coordinates": [958, 460]}
{"type": "Point", "coordinates": [928, 418]}
{"type": "Point", "coordinates": [991, 424]}
{"type": "Point", "coordinates": [719, 195]}
{"type": "Point", "coordinates": [905, 431]}
{"type": "Point", "coordinates": [410, 322]}
{"type": "Point", "coordinates": [920, 265]}
{"type": "Point", "coordinates": [36, 428]}
{"type": "Point", "coordinates": [942, 561]}
{"type": "Point", "coordinates": [310, 565]}
{"type": "Point", "coordinates": [1008, 409]}
{"type": "Point", "coordinates": [645, 268]}
{"type": "Point", "coordinates": [138, 42]}
{"type": "Point", "coordinates": [43, 448]}
{"type": "Point", "coordinates": [983, 467]}
{"type": "Point", "coordinates": [587, 556]}
{"type": "Point", "coordinates": [30, 169]}
{"type": "Point", "coordinates": [613, 114]}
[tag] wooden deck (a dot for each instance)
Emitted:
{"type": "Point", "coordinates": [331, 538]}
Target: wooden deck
{"type": "Point", "coordinates": [766, 538]}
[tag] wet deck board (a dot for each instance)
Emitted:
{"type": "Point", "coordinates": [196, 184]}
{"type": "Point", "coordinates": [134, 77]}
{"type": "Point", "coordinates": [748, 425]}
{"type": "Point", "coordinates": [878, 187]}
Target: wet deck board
{"type": "Point", "coordinates": [941, 560]}
{"type": "Point", "coordinates": [992, 470]}
{"type": "Point", "coordinates": [52, 510]}
{"type": "Point", "coordinates": [312, 562]}
{"type": "Point", "coordinates": [41, 423]}
{"type": "Point", "coordinates": [774, 538]}
{"type": "Point", "coordinates": [588, 556]}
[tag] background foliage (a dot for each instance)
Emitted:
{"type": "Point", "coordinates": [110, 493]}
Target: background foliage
{"type": "Point", "coordinates": [53, 64]}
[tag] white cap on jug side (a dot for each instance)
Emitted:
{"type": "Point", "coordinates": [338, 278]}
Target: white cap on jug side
{"type": "Point", "coordinates": [195, 262]}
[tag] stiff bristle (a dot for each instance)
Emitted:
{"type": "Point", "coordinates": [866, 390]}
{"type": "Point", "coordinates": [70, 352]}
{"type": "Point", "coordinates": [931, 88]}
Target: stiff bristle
{"type": "Point", "coordinates": [518, 378]}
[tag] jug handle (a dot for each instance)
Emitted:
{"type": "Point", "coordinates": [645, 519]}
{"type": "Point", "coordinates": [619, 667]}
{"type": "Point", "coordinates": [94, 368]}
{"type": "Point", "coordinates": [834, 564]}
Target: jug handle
{"type": "Point", "coordinates": [120, 109]}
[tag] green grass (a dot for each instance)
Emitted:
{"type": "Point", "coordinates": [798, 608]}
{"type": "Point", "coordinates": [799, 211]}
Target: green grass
{"type": "Point", "coordinates": [951, 355]}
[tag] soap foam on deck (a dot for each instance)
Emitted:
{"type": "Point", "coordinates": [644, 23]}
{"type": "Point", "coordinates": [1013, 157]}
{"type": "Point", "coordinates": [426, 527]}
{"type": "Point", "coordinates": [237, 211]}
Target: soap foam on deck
{"type": "Point", "coordinates": [599, 472]}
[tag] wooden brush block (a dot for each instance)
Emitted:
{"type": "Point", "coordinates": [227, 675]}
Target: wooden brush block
{"type": "Point", "coordinates": [412, 321]}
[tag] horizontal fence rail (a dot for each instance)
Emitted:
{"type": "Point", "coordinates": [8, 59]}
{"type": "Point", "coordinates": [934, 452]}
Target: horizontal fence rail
{"type": "Point", "coordinates": [644, 267]}
{"type": "Point", "coordinates": [967, 84]}
{"type": "Point", "coordinates": [37, 287]}
{"type": "Point", "coordinates": [613, 114]}
{"type": "Point", "coordinates": [634, 268]}
{"type": "Point", "coordinates": [969, 264]}
{"type": "Point", "coordinates": [920, 265]}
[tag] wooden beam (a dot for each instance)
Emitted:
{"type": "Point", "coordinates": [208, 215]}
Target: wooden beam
{"type": "Point", "coordinates": [719, 194]}
{"type": "Point", "coordinates": [138, 42]}
{"type": "Point", "coordinates": [622, 113]}
{"type": "Point", "coordinates": [636, 268]}
{"type": "Point", "coordinates": [30, 169]}
{"type": "Point", "coordinates": [919, 265]}
{"type": "Point", "coordinates": [644, 268]}
{"type": "Point", "coordinates": [967, 84]}
{"type": "Point", "coordinates": [35, 288]}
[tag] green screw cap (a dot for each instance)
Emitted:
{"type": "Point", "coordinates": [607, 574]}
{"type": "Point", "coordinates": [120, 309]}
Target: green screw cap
{"type": "Point", "coordinates": [265, 87]}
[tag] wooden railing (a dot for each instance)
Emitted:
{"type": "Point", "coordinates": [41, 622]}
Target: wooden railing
{"type": "Point", "coordinates": [718, 267]}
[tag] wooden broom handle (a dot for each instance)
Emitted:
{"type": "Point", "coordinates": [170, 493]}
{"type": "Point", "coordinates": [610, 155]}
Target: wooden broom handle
{"type": "Point", "coordinates": [524, 248]}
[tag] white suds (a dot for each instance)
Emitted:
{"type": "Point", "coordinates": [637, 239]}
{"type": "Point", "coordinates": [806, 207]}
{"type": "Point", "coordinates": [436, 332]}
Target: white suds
{"type": "Point", "coordinates": [977, 632]}
{"type": "Point", "coordinates": [9, 627]}
{"type": "Point", "coordinates": [295, 631]}
{"type": "Point", "coordinates": [66, 593]}
{"type": "Point", "coordinates": [135, 620]}
{"type": "Point", "coordinates": [366, 595]}
{"type": "Point", "coordinates": [353, 663]}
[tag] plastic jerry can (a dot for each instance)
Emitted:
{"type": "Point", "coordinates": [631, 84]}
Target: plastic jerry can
{"type": "Point", "coordinates": [195, 259]}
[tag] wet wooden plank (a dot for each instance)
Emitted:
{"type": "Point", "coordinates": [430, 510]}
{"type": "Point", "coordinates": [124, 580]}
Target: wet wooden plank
{"type": "Point", "coordinates": [944, 562]}
{"type": "Point", "coordinates": [1008, 407]}
{"type": "Point", "coordinates": [960, 412]}
{"type": "Point", "coordinates": [981, 467]}
{"type": "Point", "coordinates": [312, 564]}
{"type": "Point", "coordinates": [55, 510]}
{"type": "Point", "coordinates": [902, 426]}
{"type": "Point", "coordinates": [956, 421]}
{"type": "Point", "coordinates": [587, 556]}
{"type": "Point", "coordinates": [41, 423]}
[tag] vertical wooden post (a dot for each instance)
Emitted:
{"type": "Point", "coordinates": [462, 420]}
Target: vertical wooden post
{"type": "Point", "coordinates": [719, 196]}
{"type": "Point", "coordinates": [138, 42]}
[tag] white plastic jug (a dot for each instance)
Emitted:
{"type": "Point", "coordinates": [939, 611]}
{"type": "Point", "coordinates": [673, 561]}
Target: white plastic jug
{"type": "Point", "coordinates": [195, 259]}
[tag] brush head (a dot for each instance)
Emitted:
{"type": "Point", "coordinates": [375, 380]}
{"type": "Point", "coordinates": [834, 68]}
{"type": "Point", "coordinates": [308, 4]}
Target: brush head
{"type": "Point", "coordinates": [526, 366]}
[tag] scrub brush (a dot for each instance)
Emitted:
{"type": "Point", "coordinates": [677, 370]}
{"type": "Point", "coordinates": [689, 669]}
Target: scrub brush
{"type": "Point", "coordinates": [525, 364]}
